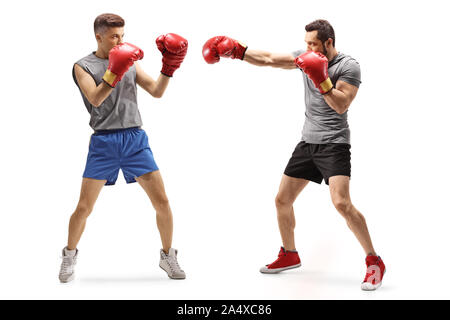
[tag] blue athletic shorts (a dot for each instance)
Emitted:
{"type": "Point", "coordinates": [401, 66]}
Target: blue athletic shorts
{"type": "Point", "coordinates": [125, 149]}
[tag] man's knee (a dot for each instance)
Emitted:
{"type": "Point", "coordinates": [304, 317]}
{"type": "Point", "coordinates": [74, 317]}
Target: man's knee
{"type": "Point", "coordinates": [161, 204]}
{"type": "Point", "coordinates": [83, 210]}
{"type": "Point", "coordinates": [283, 202]}
{"type": "Point", "coordinates": [343, 205]}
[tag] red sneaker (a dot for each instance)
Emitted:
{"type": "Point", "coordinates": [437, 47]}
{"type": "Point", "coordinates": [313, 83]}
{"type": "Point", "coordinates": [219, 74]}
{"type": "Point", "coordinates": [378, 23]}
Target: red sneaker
{"type": "Point", "coordinates": [374, 274]}
{"type": "Point", "coordinates": [286, 260]}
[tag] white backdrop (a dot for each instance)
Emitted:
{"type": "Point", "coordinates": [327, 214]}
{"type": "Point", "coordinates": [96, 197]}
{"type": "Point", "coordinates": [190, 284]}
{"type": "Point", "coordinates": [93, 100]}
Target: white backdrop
{"type": "Point", "coordinates": [222, 135]}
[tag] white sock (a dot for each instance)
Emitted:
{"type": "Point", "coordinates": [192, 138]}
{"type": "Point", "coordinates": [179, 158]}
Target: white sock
{"type": "Point", "coordinates": [70, 253]}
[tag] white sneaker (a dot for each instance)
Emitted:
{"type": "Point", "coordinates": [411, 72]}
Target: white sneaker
{"type": "Point", "coordinates": [169, 264]}
{"type": "Point", "coordinates": [67, 271]}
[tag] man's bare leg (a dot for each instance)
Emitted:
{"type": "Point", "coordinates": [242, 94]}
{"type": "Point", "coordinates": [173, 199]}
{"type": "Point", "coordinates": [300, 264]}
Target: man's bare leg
{"type": "Point", "coordinates": [340, 195]}
{"type": "Point", "coordinates": [289, 189]}
{"type": "Point", "coordinates": [153, 185]}
{"type": "Point", "coordinates": [90, 189]}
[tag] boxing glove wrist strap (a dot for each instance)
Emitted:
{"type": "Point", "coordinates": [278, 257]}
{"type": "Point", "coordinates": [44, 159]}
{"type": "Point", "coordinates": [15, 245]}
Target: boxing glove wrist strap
{"type": "Point", "coordinates": [109, 78]}
{"type": "Point", "coordinates": [167, 70]}
{"type": "Point", "coordinates": [241, 49]}
{"type": "Point", "coordinates": [326, 86]}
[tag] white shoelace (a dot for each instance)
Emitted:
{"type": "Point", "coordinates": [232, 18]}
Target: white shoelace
{"type": "Point", "coordinates": [173, 263]}
{"type": "Point", "coordinates": [67, 264]}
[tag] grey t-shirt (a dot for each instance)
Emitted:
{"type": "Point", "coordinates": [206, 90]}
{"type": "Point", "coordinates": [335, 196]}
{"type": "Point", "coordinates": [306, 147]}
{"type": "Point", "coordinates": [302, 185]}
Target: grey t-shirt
{"type": "Point", "coordinates": [323, 124]}
{"type": "Point", "coordinates": [119, 110]}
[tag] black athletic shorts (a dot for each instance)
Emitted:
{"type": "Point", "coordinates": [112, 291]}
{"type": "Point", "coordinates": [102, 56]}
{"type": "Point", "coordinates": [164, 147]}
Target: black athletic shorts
{"type": "Point", "coordinates": [315, 162]}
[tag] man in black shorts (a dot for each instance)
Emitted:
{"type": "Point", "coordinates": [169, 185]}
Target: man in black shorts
{"type": "Point", "coordinates": [331, 81]}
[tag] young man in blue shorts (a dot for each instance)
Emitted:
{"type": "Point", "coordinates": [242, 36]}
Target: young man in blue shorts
{"type": "Point", "coordinates": [107, 81]}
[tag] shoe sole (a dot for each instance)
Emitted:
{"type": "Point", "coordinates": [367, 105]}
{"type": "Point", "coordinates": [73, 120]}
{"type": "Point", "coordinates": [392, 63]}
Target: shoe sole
{"type": "Point", "coordinates": [365, 286]}
{"type": "Point", "coordinates": [278, 270]}
{"type": "Point", "coordinates": [174, 278]}
{"type": "Point", "coordinates": [370, 287]}
{"type": "Point", "coordinates": [67, 280]}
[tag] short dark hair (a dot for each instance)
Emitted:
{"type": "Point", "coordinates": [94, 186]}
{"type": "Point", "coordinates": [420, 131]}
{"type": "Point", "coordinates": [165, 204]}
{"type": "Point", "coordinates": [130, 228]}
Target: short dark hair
{"type": "Point", "coordinates": [324, 30]}
{"type": "Point", "coordinates": [107, 20]}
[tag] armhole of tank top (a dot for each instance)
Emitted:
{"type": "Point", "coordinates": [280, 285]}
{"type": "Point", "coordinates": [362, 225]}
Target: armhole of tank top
{"type": "Point", "coordinates": [73, 74]}
{"type": "Point", "coordinates": [83, 68]}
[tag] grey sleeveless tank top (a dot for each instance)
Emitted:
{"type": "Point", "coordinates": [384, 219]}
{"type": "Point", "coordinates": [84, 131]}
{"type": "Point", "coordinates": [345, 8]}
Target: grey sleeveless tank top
{"type": "Point", "coordinates": [119, 110]}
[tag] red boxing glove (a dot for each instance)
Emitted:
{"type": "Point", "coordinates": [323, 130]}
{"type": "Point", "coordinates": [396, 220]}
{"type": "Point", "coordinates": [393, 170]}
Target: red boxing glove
{"type": "Point", "coordinates": [222, 46]}
{"type": "Point", "coordinates": [121, 58]}
{"type": "Point", "coordinates": [173, 48]}
{"type": "Point", "coordinates": [315, 65]}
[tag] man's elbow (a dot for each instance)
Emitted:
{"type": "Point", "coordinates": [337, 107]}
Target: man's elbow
{"type": "Point", "coordinates": [95, 102]}
{"type": "Point", "coordinates": [342, 109]}
{"type": "Point", "coordinates": [157, 94]}
{"type": "Point", "coordinates": [270, 61]}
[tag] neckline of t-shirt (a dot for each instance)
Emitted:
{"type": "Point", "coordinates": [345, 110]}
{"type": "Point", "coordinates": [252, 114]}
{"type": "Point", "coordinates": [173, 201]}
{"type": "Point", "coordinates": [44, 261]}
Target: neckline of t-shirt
{"type": "Point", "coordinates": [335, 57]}
{"type": "Point", "coordinates": [93, 53]}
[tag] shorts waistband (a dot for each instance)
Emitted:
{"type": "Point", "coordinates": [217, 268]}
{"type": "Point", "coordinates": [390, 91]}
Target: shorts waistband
{"type": "Point", "coordinates": [101, 132]}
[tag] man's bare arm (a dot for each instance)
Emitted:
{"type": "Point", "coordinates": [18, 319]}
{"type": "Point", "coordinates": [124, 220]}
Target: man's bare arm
{"type": "Point", "coordinates": [155, 88]}
{"type": "Point", "coordinates": [340, 98]}
{"type": "Point", "coordinates": [264, 58]}
{"type": "Point", "coordinates": [95, 94]}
